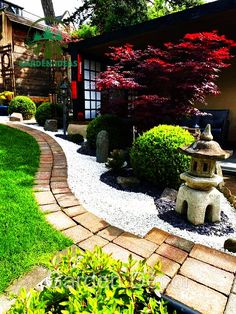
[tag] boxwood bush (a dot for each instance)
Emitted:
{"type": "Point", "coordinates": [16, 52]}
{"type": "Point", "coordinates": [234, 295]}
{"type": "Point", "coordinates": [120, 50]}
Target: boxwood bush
{"type": "Point", "coordinates": [119, 132]}
{"type": "Point", "coordinates": [154, 155]}
{"type": "Point", "coordinates": [23, 105]}
{"type": "Point", "coordinates": [93, 282]}
{"type": "Point", "coordinates": [48, 110]}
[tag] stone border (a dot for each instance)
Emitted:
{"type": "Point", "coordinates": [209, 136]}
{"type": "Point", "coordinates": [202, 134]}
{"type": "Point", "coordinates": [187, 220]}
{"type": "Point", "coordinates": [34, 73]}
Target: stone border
{"type": "Point", "coordinates": [198, 276]}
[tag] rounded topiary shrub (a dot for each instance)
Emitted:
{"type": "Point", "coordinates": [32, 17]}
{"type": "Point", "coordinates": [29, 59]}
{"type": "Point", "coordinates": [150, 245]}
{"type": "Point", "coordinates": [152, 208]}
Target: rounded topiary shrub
{"type": "Point", "coordinates": [44, 112]}
{"type": "Point", "coordinates": [23, 105]}
{"type": "Point", "coordinates": [154, 155]}
{"type": "Point", "coordinates": [118, 130]}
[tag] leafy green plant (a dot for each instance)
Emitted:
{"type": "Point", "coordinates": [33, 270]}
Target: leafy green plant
{"type": "Point", "coordinates": [119, 133]}
{"type": "Point", "coordinates": [75, 138]}
{"type": "Point", "coordinates": [93, 282]}
{"type": "Point", "coordinates": [85, 31]}
{"type": "Point", "coordinates": [117, 160]}
{"type": "Point", "coordinates": [48, 110]}
{"type": "Point", "coordinates": [154, 155]}
{"type": "Point", "coordinates": [23, 105]}
{"type": "Point", "coordinates": [44, 112]}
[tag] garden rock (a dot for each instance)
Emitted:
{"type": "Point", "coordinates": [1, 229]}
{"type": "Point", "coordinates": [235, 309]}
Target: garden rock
{"type": "Point", "coordinates": [127, 182]}
{"type": "Point", "coordinates": [16, 116]}
{"type": "Point", "coordinates": [77, 129]}
{"type": "Point", "coordinates": [102, 146]}
{"type": "Point", "coordinates": [50, 125]}
{"type": "Point", "coordinates": [169, 194]}
{"type": "Point", "coordinates": [230, 245]}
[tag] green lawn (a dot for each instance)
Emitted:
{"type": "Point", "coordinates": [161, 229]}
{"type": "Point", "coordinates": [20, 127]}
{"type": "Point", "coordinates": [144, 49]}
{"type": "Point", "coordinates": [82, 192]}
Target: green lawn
{"type": "Point", "coordinates": [26, 238]}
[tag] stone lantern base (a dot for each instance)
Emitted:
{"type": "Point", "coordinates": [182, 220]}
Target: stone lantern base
{"type": "Point", "coordinates": [199, 206]}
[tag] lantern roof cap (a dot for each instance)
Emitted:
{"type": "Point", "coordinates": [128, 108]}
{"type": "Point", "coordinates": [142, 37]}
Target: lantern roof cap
{"type": "Point", "coordinates": [206, 148]}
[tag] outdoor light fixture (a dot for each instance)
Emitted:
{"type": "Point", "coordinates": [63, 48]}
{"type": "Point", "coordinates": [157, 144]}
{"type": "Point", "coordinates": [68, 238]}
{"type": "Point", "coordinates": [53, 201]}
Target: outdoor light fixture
{"type": "Point", "coordinates": [65, 94]}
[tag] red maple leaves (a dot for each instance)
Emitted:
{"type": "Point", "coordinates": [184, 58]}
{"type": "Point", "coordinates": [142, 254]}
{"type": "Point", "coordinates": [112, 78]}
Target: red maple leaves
{"type": "Point", "coordinates": [171, 79]}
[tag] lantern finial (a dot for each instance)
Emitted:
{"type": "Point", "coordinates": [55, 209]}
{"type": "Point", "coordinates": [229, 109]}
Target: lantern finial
{"type": "Point", "coordinates": [206, 134]}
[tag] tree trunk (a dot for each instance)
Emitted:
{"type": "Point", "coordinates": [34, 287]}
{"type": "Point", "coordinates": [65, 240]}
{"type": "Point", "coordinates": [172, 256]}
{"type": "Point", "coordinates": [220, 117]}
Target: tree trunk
{"type": "Point", "coordinates": [48, 11]}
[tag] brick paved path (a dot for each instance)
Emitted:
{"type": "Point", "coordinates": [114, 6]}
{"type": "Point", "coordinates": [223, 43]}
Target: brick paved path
{"type": "Point", "coordinates": [195, 275]}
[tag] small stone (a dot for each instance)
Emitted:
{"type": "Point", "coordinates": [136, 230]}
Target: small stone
{"type": "Point", "coordinates": [16, 116]}
{"type": "Point", "coordinates": [102, 146]}
{"type": "Point", "coordinates": [50, 125]}
{"type": "Point", "coordinates": [169, 194]}
{"type": "Point", "coordinates": [230, 245]}
{"type": "Point", "coordinates": [127, 182]}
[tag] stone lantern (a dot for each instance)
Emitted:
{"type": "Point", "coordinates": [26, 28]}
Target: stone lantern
{"type": "Point", "coordinates": [198, 199]}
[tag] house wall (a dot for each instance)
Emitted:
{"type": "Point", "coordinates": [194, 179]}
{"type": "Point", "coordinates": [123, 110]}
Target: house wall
{"type": "Point", "coordinates": [226, 99]}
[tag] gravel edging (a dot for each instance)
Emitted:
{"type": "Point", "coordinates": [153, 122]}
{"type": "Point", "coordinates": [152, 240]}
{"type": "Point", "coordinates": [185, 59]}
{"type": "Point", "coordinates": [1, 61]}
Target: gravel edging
{"type": "Point", "coordinates": [133, 212]}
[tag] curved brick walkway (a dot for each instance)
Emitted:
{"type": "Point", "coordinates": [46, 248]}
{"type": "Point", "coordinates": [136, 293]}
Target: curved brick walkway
{"type": "Point", "coordinates": [195, 275]}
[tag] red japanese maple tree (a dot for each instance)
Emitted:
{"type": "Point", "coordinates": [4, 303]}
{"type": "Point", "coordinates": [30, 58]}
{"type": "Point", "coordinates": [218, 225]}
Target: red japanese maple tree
{"type": "Point", "coordinates": [168, 80]}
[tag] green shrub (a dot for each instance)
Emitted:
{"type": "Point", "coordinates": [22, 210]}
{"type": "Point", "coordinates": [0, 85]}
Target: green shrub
{"type": "Point", "coordinates": [119, 133]}
{"type": "Point", "coordinates": [44, 112]}
{"type": "Point", "coordinates": [93, 282]}
{"type": "Point", "coordinates": [154, 155]}
{"type": "Point", "coordinates": [48, 110]}
{"type": "Point", "coordinates": [23, 105]}
{"type": "Point", "coordinates": [85, 31]}
{"type": "Point", "coordinates": [75, 138]}
{"type": "Point", "coordinates": [117, 160]}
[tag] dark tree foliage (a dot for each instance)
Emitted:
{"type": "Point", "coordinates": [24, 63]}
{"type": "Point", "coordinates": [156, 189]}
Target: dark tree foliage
{"type": "Point", "coordinates": [108, 15]}
{"type": "Point", "coordinates": [168, 80]}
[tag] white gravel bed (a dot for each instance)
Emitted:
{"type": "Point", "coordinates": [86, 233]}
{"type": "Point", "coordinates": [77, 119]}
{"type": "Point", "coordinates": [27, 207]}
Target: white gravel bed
{"type": "Point", "coordinates": [132, 212]}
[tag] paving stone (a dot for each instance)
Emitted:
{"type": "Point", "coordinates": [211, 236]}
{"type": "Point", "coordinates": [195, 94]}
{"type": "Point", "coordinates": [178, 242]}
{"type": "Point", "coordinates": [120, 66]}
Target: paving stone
{"type": "Point", "coordinates": [62, 172]}
{"type": "Point", "coordinates": [90, 243]}
{"type": "Point", "coordinates": [44, 198]}
{"type": "Point", "coordinates": [41, 182]}
{"type": "Point", "coordinates": [164, 282]}
{"type": "Point", "coordinates": [74, 210]}
{"type": "Point", "coordinates": [60, 220]}
{"type": "Point", "coordinates": [56, 185]}
{"type": "Point", "coordinates": [50, 208]}
{"type": "Point", "coordinates": [43, 175]}
{"type": "Point", "coordinates": [196, 296]}
{"type": "Point", "coordinates": [91, 222]}
{"type": "Point", "coordinates": [231, 305]}
{"type": "Point", "coordinates": [157, 236]}
{"type": "Point", "coordinates": [77, 233]}
{"type": "Point", "coordinates": [29, 281]}
{"type": "Point", "coordinates": [59, 179]}
{"type": "Point", "coordinates": [5, 303]}
{"type": "Point", "coordinates": [234, 286]}
{"type": "Point", "coordinates": [180, 243]}
{"type": "Point", "coordinates": [168, 267]}
{"type": "Point", "coordinates": [41, 188]}
{"type": "Point", "coordinates": [172, 252]}
{"type": "Point", "coordinates": [207, 275]}
{"type": "Point", "coordinates": [61, 191]}
{"type": "Point", "coordinates": [67, 200]}
{"type": "Point", "coordinates": [214, 257]}
{"type": "Point", "coordinates": [119, 252]}
{"type": "Point", "coordinates": [135, 244]}
{"type": "Point", "coordinates": [110, 233]}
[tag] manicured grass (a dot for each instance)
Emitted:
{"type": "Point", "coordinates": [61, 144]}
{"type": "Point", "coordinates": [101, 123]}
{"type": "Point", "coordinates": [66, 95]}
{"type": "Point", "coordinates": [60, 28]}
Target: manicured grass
{"type": "Point", "coordinates": [26, 238]}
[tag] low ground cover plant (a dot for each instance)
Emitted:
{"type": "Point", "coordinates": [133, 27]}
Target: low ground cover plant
{"type": "Point", "coordinates": [26, 238]}
{"type": "Point", "coordinates": [93, 282]}
{"type": "Point", "coordinates": [155, 157]}
{"type": "Point", "coordinates": [23, 105]}
{"type": "Point", "coordinates": [6, 97]}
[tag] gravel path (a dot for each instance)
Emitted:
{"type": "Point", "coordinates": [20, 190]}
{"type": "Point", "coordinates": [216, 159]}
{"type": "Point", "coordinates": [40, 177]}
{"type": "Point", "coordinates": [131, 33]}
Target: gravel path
{"type": "Point", "coordinates": [132, 212]}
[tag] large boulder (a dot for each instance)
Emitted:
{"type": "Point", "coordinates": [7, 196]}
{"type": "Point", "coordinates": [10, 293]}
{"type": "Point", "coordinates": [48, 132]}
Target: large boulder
{"type": "Point", "coordinates": [77, 129]}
